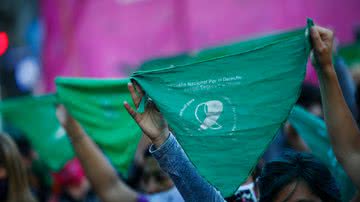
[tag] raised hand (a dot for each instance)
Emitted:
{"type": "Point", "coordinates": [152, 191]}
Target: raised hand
{"type": "Point", "coordinates": [71, 126]}
{"type": "Point", "coordinates": [101, 174]}
{"type": "Point", "coordinates": [151, 121]}
{"type": "Point", "coordinates": [322, 40]}
{"type": "Point", "coordinates": [341, 126]}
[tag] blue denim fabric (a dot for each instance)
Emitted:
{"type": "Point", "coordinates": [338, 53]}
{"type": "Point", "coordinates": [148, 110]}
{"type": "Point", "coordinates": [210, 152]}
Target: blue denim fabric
{"type": "Point", "coordinates": [173, 160]}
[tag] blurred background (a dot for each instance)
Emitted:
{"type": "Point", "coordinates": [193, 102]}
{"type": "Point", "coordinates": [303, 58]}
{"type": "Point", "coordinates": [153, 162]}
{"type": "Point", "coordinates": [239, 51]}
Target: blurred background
{"type": "Point", "coordinates": [42, 39]}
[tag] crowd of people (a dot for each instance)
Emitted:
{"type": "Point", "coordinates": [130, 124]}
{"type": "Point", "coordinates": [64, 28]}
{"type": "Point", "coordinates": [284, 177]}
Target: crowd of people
{"type": "Point", "coordinates": [162, 171]}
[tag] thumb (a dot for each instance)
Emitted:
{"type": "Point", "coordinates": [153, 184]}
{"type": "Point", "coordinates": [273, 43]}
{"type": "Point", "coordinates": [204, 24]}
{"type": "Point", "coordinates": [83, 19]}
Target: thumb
{"type": "Point", "coordinates": [316, 39]}
{"type": "Point", "coordinates": [64, 117]}
{"type": "Point", "coordinates": [61, 114]}
{"type": "Point", "coordinates": [313, 59]}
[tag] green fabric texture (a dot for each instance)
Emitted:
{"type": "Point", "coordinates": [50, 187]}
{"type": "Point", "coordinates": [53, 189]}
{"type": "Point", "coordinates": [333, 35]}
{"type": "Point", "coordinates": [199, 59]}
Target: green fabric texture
{"type": "Point", "coordinates": [226, 107]}
{"type": "Point", "coordinates": [166, 61]}
{"type": "Point", "coordinates": [313, 131]}
{"type": "Point", "coordinates": [98, 105]}
{"type": "Point", "coordinates": [35, 116]}
{"type": "Point", "coordinates": [351, 54]}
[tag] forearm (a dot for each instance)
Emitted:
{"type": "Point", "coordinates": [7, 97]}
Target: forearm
{"type": "Point", "coordinates": [347, 85]}
{"type": "Point", "coordinates": [173, 160]}
{"type": "Point", "coordinates": [342, 128]}
{"type": "Point", "coordinates": [100, 173]}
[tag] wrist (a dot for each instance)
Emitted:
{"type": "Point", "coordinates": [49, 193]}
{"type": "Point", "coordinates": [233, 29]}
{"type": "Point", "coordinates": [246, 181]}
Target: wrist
{"type": "Point", "coordinates": [158, 141]}
{"type": "Point", "coordinates": [326, 71]}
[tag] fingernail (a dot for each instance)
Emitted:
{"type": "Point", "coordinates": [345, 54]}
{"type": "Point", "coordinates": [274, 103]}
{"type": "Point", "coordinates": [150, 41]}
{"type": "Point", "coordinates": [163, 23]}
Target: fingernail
{"type": "Point", "coordinates": [306, 33]}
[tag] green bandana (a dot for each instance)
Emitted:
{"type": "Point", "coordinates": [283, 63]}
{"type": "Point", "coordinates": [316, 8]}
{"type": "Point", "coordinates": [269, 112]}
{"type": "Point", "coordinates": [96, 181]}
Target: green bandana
{"type": "Point", "coordinates": [227, 103]}
{"type": "Point", "coordinates": [98, 106]}
{"type": "Point", "coordinates": [35, 116]}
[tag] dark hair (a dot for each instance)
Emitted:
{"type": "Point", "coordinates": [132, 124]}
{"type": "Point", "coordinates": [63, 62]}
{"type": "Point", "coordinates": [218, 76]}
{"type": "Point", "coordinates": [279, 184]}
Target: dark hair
{"type": "Point", "coordinates": [309, 96]}
{"type": "Point", "coordinates": [21, 141]}
{"type": "Point", "coordinates": [298, 166]}
{"type": "Point", "coordinates": [23, 145]}
{"type": "Point", "coordinates": [357, 98]}
{"type": "Point", "coordinates": [10, 158]}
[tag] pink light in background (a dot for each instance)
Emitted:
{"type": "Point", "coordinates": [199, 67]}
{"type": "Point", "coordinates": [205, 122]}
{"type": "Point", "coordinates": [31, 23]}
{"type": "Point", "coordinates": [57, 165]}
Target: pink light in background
{"type": "Point", "coordinates": [109, 38]}
{"type": "Point", "coordinates": [4, 42]}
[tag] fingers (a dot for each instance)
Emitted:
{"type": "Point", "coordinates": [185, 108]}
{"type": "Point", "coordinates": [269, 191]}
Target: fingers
{"type": "Point", "coordinates": [136, 99]}
{"type": "Point", "coordinates": [327, 35]}
{"type": "Point", "coordinates": [151, 105]}
{"type": "Point", "coordinates": [132, 112]}
{"type": "Point", "coordinates": [136, 92]}
{"type": "Point", "coordinates": [60, 107]}
{"type": "Point", "coordinates": [321, 34]}
{"type": "Point", "coordinates": [64, 116]}
{"type": "Point", "coordinates": [324, 31]}
{"type": "Point", "coordinates": [138, 88]}
{"type": "Point", "coordinates": [316, 39]}
{"type": "Point", "coordinates": [313, 59]}
{"type": "Point", "coordinates": [60, 113]}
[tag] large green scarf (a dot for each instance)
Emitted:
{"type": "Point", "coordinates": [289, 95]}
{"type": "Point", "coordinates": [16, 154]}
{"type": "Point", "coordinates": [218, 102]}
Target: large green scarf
{"type": "Point", "coordinates": [98, 106]}
{"type": "Point", "coordinates": [35, 116]}
{"type": "Point", "coordinates": [226, 104]}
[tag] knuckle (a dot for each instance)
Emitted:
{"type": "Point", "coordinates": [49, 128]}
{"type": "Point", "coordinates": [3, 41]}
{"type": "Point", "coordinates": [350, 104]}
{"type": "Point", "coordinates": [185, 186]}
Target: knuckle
{"type": "Point", "coordinates": [320, 49]}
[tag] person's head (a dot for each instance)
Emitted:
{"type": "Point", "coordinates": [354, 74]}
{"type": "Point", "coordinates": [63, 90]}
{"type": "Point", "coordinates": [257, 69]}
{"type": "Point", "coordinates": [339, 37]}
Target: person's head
{"type": "Point", "coordinates": [23, 144]}
{"type": "Point", "coordinates": [153, 179]}
{"type": "Point", "coordinates": [310, 99]}
{"type": "Point", "coordinates": [298, 177]}
{"type": "Point", "coordinates": [26, 151]}
{"type": "Point", "coordinates": [14, 185]}
{"type": "Point", "coordinates": [72, 180]}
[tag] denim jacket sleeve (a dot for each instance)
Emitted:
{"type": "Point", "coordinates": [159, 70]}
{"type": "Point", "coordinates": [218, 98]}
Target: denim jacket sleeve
{"type": "Point", "coordinates": [173, 160]}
